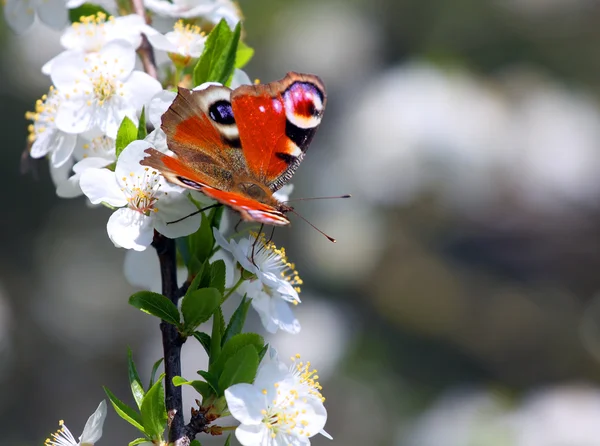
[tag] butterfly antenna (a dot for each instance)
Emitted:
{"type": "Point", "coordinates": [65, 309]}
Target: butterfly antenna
{"type": "Point", "coordinates": [194, 213]}
{"type": "Point", "coordinates": [328, 237]}
{"type": "Point", "coordinates": [318, 198]}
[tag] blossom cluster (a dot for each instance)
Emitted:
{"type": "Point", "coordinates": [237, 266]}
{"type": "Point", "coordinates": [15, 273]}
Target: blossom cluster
{"type": "Point", "coordinates": [97, 94]}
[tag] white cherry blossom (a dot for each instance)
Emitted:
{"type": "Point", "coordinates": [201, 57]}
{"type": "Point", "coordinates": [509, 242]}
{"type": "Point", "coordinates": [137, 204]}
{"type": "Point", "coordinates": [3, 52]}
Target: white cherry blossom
{"type": "Point", "coordinates": [45, 137]}
{"type": "Point", "coordinates": [93, 32]}
{"type": "Point", "coordinates": [282, 407]}
{"type": "Point", "coordinates": [182, 44]}
{"type": "Point", "coordinates": [275, 284]}
{"type": "Point", "coordinates": [100, 89]}
{"type": "Point", "coordinates": [90, 435]}
{"type": "Point", "coordinates": [211, 10]}
{"type": "Point", "coordinates": [145, 200]}
{"type": "Point", "coordinates": [20, 14]}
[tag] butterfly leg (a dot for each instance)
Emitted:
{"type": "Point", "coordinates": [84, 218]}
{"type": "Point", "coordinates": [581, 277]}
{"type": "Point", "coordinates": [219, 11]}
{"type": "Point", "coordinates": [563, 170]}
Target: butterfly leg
{"type": "Point", "coordinates": [194, 213]}
{"type": "Point", "coordinates": [271, 236]}
{"type": "Point", "coordinates": [255, 242]}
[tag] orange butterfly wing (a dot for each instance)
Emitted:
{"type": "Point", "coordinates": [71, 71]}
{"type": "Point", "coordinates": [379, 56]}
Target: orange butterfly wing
{"type": "Point", "coordinates": [239, 147]}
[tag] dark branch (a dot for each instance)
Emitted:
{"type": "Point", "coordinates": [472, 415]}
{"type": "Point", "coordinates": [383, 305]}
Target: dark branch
{"type": "Point", "coordinates": [171, 339]}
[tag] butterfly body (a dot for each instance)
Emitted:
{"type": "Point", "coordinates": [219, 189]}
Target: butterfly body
{"type": "Point", "coordinates": [240, 146]}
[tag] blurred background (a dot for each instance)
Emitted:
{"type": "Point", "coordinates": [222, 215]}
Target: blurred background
{"type": "Point", "coordinates": [460, 305]}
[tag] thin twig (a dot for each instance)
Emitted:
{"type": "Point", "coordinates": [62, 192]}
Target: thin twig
{"type": "Point", "coordinates": [145, 50]}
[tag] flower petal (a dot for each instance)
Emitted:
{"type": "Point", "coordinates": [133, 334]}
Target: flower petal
{"type": "Point", "coordinates": [173, 209]}
{"type": "Point", "coordinates": [284, 317]}
{"type": "Point", "coordinates": [100, 185]}
{"type": "Point", "coordinates": [93, 428]}
{"type": "Point", "coordinates": [19, 15]}
{"type": "Point", "coordinates": [62, 148]}
{"type": "Point", "coordinates": [53, 13]}
{"type": "Point", "coordinates": [140, 88]}
{"type": "Point", "coordinates": [253, 435]}
{"type": "Point", "coordinates": [130, 157]}
{"type": "Point", "coordinates": [130, 229]}
{"type": "Point", "coordinates": [245, 402]}
{"type": "Point", "coordinates": [158, 105]}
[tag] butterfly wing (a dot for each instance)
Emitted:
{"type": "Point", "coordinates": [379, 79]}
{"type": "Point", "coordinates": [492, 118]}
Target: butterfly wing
{"type": "Point", "coordinates": [201, 132]}
{"type": "Point", "coordinates": [276, 123]}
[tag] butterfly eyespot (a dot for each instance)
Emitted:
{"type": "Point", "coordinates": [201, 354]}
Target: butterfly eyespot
{"type": "Point", "coordinates": [190, 183]}
{"type": "Point", "coordinates": [303, 103]}
{"type": "Point", "coordinates": [222, 113]}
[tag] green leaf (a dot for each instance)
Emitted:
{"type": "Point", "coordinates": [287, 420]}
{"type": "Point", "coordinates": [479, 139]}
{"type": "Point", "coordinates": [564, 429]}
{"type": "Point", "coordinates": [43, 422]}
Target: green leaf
{"type": "Point", "coordinates": [154, 412]}
{"type": "Point", "coordinates": [142, 131]}
{"type": "Point", "coordinates": [124, 411]}
{"type": "Point", "coordinates": [85, 10]}
{"type": "Point", "coordinates": [127, 133]}
{"type": "Point", "coordinates": [238, 318]}
{"type": "Point", "coordinates": [139, 441]}
{"type": "Point", "coordinates": [197, 279]}
{"type": "Point", "coordinates": [240, 368]}
{"type": "Point", "coordinates": [156, 305]}
{"type": "Point", "coordinates": [202, 387]}
{"type": "Point", "coordinates": [218, 59]}
{"type": "Point", "coordinates": [137, 390]}
{"type": "Point", "coordinates": [153, 373]}
{"type": "Point", "coordinates": [198, 306]}
{"type": "Point", "coordinates": [261, 354]}
{"type": "Point", "coordinates": [195, 443]}
{"type": "Point", "coordinates": [228, 441]}
{"type": "Point", "coordinates": [217, 275]}
{"type": "Point", "coordinates": [210, 379]}
{"type": "Point", "coordinates": [234, 345]}
{"type": "Point", "coordinates": [243, 55]}
{"type": "Point", "coordinates": [202, 241]}
{"type": "Point", "coordinates": [216, 335]}
{"type": "Point", "coordinates": [204, 339]}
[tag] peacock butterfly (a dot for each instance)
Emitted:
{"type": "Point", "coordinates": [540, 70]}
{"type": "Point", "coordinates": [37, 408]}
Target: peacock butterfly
{"type": "Point", "coordinates": [240, 146]}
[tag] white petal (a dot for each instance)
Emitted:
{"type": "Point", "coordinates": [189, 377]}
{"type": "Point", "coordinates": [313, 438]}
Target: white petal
{"type": "Point", "coordinates": [130, 157]}
{"type": "Point", "coordinates": [90, 163]}
{"type": "Point", "coordinates": [100, 185]}
{"type": "Point", "coordinates": [221, 240]}
{"type": "Point", "coordinates": [253, 435]}
{"type": "Point", "coordinates": [270, 372]}
{"type": "Point", "coordinates": [53, 13]}
{"type": "Point", "coordinates": [47, 67]}
{"type": "Point", "coordinates": [173, 209]}
{"type": "Point", "coordinates": [60, 174]}
{"type": "Point", "coordinates": [62, 148]}
{"type": "Point", "coordinates": [284, 317]}
{"type": "Point", "coordinates": [261, 303]}
{"type": "Point", "coordinates": [140, 88]}
{"type": "Point", "coordinates": [325, 434]}
{"type": "Point", "coordinates": [120, 54]}
{"type": "Point", "coordinates": [284, 193]}
{"type": "Point", "coordinates": [158, 140]}
{"type": "Point", "coordinates": [240, 78]}
{"type": "Point", "coordinates": [19, 15]}
{"type": "Point", "coordinates": [74, 116]}
{"type": "Point", "coordinates": [162, 7]}
{"type": "Point", "coordinates": [245, 402]}
{"type": "Point", "coordinates": [72, 4]}
{"type": "Point", "coordinates": [160, 42]}
{"type": "Point", "coordinates": [158, 105]}
{"type": "Point", "coordinates": [42, 143]}
{"type": "Point", "coordinates": [67, 67]}
{"type": "Point", "coordinates": [314, 415]}
{"type": "Point", "coordinates": [130, 229]}
{"type": "Point", "coordinates": [93, 428]}
{"type": "Point", "coordinates": [205, 85]}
